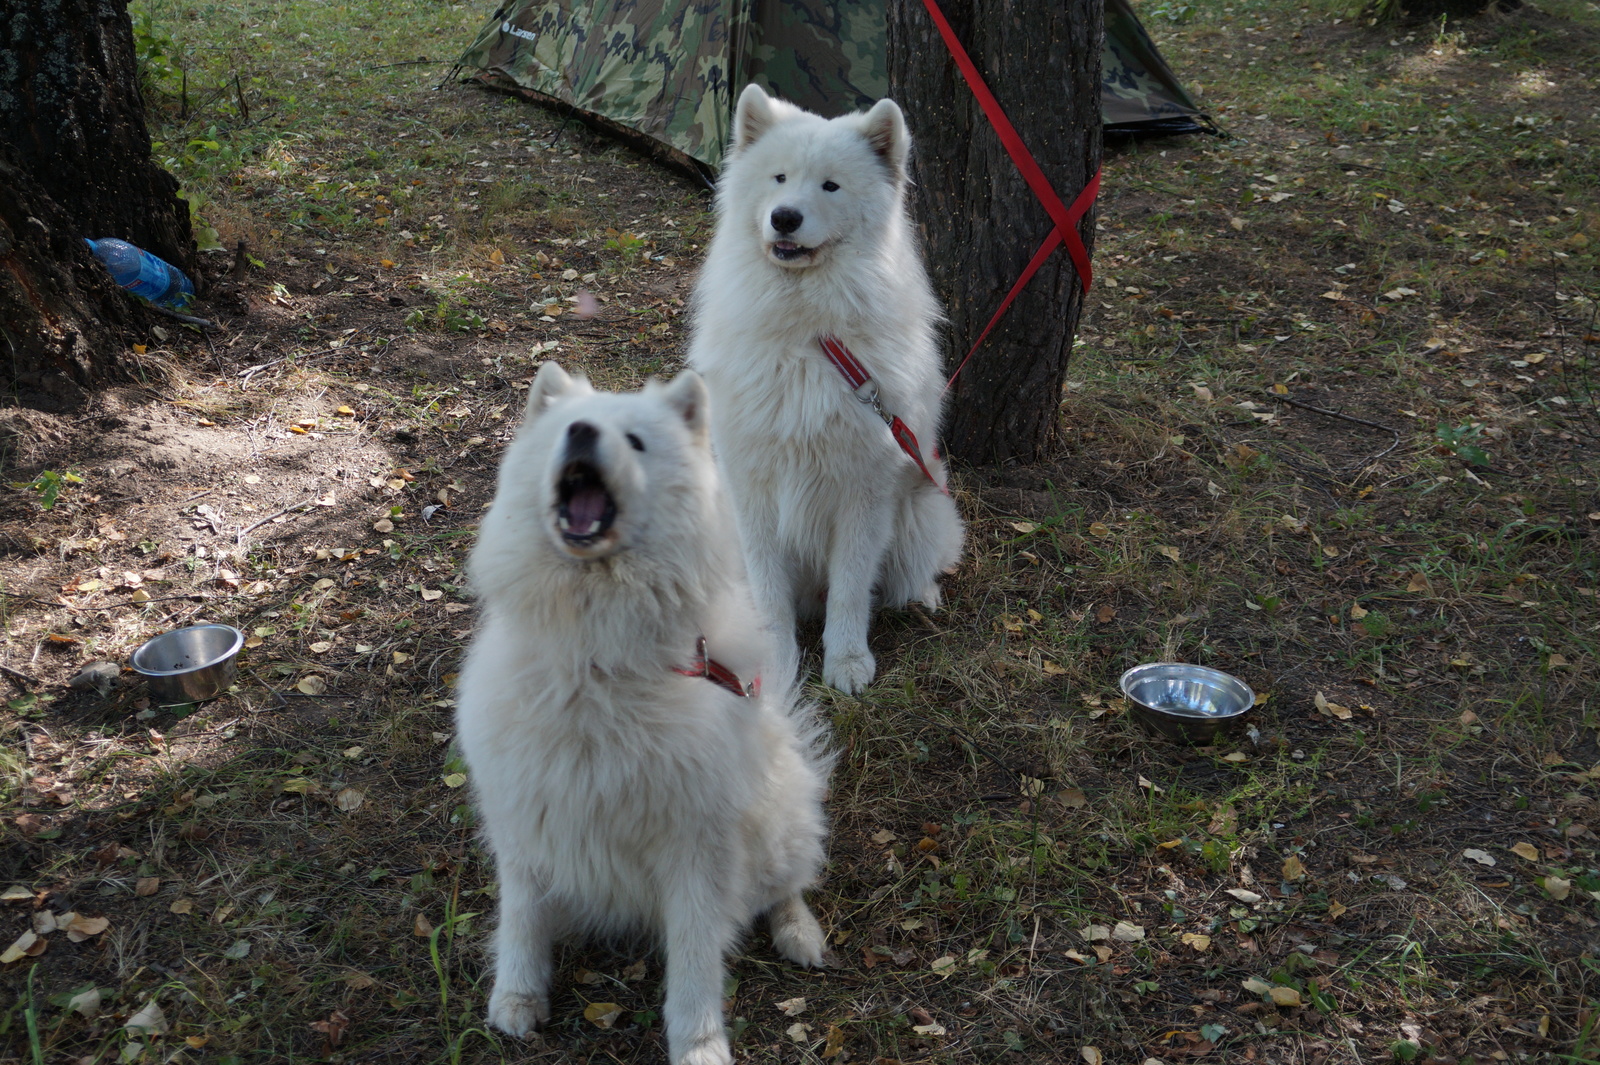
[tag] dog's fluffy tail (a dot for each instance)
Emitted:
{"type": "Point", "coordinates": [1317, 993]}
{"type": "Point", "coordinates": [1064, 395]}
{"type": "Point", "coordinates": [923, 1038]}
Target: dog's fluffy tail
{"type": "Point", "coordinates": [927, 542]}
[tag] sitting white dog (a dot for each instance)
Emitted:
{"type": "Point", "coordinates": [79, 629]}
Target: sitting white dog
{"type": "Point", "coordinates": [814, 327]}
{"type": "Point", "coordinates": [632, 771]}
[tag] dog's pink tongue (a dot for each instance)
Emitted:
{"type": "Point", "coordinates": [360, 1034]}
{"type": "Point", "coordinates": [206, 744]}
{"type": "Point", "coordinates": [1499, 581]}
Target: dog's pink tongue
{"type": "Point", "coordinates": [584, 510]}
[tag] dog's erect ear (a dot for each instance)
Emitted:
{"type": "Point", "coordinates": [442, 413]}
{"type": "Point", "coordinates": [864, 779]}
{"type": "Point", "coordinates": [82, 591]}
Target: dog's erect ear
{"type": "Point", "coordinates": [885, 129]}
{"type": "Point", "coordinates": [752, 117]}
{"type": "Point", "coordinates": [687, 395]}
{"type": "Point", "coordinates": [551, 383]}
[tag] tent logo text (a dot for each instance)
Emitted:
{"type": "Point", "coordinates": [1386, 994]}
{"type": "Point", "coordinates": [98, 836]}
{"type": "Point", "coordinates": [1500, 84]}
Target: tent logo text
{"type": "Point", "coordinates": [516, 31]}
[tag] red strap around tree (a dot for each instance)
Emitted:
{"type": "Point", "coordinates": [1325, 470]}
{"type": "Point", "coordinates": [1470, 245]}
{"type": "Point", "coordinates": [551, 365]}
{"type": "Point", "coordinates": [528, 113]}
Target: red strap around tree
{"type": "Point", "coordinates": [1066, 218]}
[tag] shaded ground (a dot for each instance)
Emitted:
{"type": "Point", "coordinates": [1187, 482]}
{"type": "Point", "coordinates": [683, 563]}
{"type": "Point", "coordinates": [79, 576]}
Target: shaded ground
{"type": "Point", "coordinates": [1332, 428]}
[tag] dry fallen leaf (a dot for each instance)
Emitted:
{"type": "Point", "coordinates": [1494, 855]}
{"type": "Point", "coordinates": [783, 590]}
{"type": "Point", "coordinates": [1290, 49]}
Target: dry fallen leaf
{"type": "Point", "coordinates": [146, 886]}
{"type": "Point", "coordinates": [834, 1042]}
{"type": "Point", "coordinates": [1284, 996]}
{"type": "Point", "coordinates": [19, 949]}
{"type": "Point", "coordinates": [85, 1002]}
{"type": "Point", "coordinates": [422, 927]}
{"type": "Point", "coordinates": [1525, 850]}
{"type": "Point", "coordinates": [81, 928]}
{"type": "Point", "coordinates": [1482, 857]}
{"type": "Point", "coordinates": [348, 800]}
{"type": "Point", "coordinates": [1127, 932]}
{"type": "Point", "coordinates": [148, 1021]}
{"type": "Point", "coordinates": [602, 1014]}
{"type": "Point", "coordinates": [181, 906]}
{"type": "Point", "coordinates": [1335, 908]}
{"type": "Point", "coordinates": [800, 1033]}
{"type": "Point", "coordinates": [1244, 895]}
{"type": "Point", "coordinates": [792, 1007]}
{"type": "Point", "coordinates": [1293, 868]}
{"type": "Point", "coordinates": [1557, 888]}
{"type": "Point", "coordinates": [1200, 943]}
{"type": "Point", "coordinates": [333, 1028]}
{"type": "Point", "coordinates": [1091, 1055]}
{"type": "Point", "coordinates": [1331, 709]}
{"type": "Point", "coordinates": [315, 684]}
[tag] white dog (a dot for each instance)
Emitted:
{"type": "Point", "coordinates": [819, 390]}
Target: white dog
{"type": "Point", "coordinates": [813, 245]}
{"type": "Point", "coordinates": [632, 772]}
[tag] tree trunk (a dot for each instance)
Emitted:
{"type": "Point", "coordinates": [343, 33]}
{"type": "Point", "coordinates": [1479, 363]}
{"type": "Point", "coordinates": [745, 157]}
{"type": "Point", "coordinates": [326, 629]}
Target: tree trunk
{"type": "Point", "coordinates": [980, 222]}
{"type": "Point", "coordinates": [74, 162]}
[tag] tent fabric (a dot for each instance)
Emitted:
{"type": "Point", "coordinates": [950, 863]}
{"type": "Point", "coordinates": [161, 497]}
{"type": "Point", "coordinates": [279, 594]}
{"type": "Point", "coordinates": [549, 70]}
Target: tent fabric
{"type": "Point", "coordinates": [667, 72]}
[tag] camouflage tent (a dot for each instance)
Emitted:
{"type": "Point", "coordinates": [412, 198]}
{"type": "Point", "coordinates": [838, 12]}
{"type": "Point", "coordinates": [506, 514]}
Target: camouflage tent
{"type": "Point", "coordinates": [665, 73]}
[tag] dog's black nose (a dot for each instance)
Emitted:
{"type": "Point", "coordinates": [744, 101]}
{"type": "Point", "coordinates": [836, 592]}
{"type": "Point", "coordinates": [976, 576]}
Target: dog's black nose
{"type": "Point", "coordinates": [581, 436]}
{"type": "Point", "coordinates": [786, 220]}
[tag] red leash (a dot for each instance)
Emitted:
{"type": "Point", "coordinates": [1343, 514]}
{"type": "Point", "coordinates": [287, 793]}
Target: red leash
{"type": "Point", "coordinates": [1066, 218]}
{"type": "Point", "coordinates": [717, 673]}
{"type": "Point", "coordinates": [856, 375]}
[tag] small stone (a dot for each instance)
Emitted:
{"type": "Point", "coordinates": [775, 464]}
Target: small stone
{"type": "Point", "coordinates": [97, 676]}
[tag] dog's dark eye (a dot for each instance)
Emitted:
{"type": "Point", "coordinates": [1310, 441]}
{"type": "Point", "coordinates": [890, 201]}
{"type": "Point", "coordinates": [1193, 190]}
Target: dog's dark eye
{"type": "Point", "coordinates": [780, 178]}
{"type": "Point", "coordinates": [830, 186]}
{"type": "Point", "coordinates": [638, 445]}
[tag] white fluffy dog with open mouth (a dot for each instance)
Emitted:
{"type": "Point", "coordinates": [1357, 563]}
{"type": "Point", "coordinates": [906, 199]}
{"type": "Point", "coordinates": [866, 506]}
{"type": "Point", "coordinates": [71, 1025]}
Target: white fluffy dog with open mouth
{"type": "Point", "coordinates": [632, 770]}
{"type": "Point", "coordinates": [814, 327]}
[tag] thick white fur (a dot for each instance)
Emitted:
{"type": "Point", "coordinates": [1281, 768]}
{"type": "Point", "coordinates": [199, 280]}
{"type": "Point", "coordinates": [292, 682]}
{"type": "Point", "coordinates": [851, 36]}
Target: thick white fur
{"type": "Point", "coordinates": [617, 795]}
{"type": "Point", "coordinates": [827, 502]}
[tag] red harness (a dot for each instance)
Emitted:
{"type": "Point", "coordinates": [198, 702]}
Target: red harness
{"type": "Point", "coordinates": [866, 390]}
{"type": "Point", "coordinates": [717, 673]}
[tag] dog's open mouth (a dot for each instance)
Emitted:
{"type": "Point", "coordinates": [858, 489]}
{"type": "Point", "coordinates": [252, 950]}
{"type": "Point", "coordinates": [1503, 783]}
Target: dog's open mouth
{"type": "Point", "coordinates": [787, 251]}
{"type": "Point", "coordinates": [584, 509]}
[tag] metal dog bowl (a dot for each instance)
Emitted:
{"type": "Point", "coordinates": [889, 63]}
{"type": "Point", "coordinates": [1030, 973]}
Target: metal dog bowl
{"type": "Point", "coordinates": [1186, 703]}
{"type": "Point", "coordinates": [190, 665]}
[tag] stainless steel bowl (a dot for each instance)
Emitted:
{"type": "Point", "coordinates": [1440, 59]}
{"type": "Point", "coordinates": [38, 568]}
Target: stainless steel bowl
{"type": "Point", "coordinates": [190, 665]}
{"type": "Point", "coordinates": [1186, 703]}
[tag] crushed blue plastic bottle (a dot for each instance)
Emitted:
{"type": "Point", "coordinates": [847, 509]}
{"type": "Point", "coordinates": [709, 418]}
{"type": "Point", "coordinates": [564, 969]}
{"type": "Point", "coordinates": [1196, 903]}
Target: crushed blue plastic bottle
{"type": "Point", "coordinates": [143, 274]}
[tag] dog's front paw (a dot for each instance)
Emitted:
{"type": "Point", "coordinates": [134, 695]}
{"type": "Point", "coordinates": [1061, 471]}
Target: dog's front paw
{"type": "Point", "coordinates": [707, 1050]}
{"type": "Point", "coordinates": [849, 672]}
{"type": "Point", "coordinates": [516, 1014]}
{"type": "Point", "coordinates": [931, 596]}
{"type": "Point", "coordinates": [797, 936]}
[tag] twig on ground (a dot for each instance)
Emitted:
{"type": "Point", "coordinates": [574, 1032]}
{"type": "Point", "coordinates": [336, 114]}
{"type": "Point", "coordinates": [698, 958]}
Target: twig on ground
{"type": "Point", "coordinates": [242, 533]}
{"type": "Point", "coordinates": [345, 348]}
{"type": "Point", "coordinates": [186, 319]}
{"type": "Point", "coordinates": [1345, 418]}
{"type": "Point", "coordinates": [18, 676]}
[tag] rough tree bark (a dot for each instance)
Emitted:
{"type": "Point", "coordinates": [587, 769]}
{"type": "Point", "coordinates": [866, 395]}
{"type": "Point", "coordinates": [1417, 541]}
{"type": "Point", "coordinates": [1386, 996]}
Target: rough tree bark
{"type": "Point", "coordinates": [980, 222]}
{"type": "Point", "coordinates": [74, 162]}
